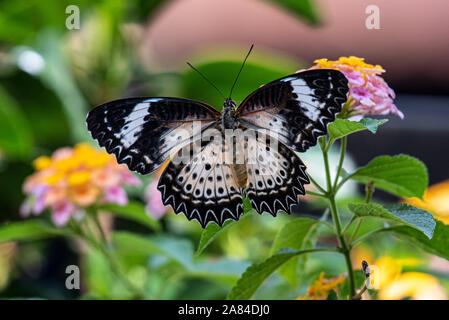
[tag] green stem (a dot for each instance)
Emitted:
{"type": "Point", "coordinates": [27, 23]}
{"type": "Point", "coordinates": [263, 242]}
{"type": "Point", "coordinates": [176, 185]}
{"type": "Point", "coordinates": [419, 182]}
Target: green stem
{"type": "Point", "coordinates": [100, 228]}
{"type": "Point", "coordinates": [316, 194]}
{"type": "Point", "coordinates": [316, 184]}
{"type": "Point", "coordinates": [344, 248]}
{"type": "Point", "coordinates": [340, 162]}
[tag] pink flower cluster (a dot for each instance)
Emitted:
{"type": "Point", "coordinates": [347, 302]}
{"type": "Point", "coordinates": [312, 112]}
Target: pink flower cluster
{"type": "Point", "coordinates": [154, 206]}
{"type": "Point", "coordinates": [73, 179]}
{"type": "Point", "coordinates": [369, 93]}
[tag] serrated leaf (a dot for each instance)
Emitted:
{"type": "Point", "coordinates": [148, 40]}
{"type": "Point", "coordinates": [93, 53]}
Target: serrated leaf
{"type": "Point", "coordinates": [295, 234]}
{"type": "Point", "coordinates": [134, 211]}
{"type": "Point", "coordinates": [401, 175]}
{"type": "Point", "coordinates": [29, 230]}
{"type": "Point", "coordinates": [342, 127]}
{"type": "Point", "coordinates": [257, 273]}
{"type": "Point", "coordinates": [438, 245]}
{"type": "Point", "coordinates": [401, 213]}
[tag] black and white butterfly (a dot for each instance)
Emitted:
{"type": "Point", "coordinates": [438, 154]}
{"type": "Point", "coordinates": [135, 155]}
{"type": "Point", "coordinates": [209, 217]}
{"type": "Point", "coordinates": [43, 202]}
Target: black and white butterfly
{"type": "Point", "coordinates": [295, 110]}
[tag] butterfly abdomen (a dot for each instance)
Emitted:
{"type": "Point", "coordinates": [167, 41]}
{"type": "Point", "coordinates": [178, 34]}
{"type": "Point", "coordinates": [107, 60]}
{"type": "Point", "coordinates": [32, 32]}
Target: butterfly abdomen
{"type": "Point", "coordinates": [240, 175]}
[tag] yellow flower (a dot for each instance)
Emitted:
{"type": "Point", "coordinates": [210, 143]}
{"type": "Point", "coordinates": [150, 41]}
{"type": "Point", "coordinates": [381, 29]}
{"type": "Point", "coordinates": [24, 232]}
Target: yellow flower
{"type": "Point", "coordinates": [415, 285]}
{"type": "Point", "coordinates": [435, 200]}
{"type": "Point", "coordinates": [42, 163]}
{"type": "Point", "coordinates": [322, 286]}
{"type": "Point", "coordinates": [355, 63]}
{"type": "Point", "coordinates": [396, 285]}
{"type": "Point", "coordinates": [78, 178]}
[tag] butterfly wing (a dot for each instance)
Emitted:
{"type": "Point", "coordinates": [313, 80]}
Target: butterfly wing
{"type": "Point", "coordinates": [298, 107]}
{"type": "Point", "coordinates": [200, 183]}
{"type": "Point", "coordinates": [144, 132]}
{"type": "Point", "coordinates": [276, 175]}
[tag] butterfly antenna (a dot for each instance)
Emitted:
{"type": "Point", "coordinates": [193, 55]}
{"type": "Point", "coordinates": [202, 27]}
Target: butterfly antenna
{"type": "Point", "coordinates": [241, 68]}
{"type": "Point", "coordinates": [204, 77]}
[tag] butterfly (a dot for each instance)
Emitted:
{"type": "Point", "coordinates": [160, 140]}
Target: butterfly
{"type": "Point", "coordinates": [209, 173]}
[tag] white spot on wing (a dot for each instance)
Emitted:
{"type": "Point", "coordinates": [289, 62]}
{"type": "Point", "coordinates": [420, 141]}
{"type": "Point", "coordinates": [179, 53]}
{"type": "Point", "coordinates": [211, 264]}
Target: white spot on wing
{"type": "Point", "coordinates": [136, 120]}
{"type": "Point", "coordinates": [305, 95]}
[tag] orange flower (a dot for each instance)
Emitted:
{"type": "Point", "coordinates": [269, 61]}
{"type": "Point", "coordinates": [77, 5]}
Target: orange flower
{"type": "Point", "coordinates": [321, 288]}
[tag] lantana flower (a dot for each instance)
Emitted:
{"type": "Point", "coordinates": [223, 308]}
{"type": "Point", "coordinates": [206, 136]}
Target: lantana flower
{"type": "Point", "coordinates": [322, 286]}
{"type": "Point", "coordinates": [369, 93]}
{"type": "Point", "coordinates": [73, 179]}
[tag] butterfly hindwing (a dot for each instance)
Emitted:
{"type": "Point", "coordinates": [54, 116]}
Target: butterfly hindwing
{"type": "Point", "coordinates": [144, 132]}
{"type": "Point", "coordinates": [203, 186]}
{"type": "Point", "coordinates": [276, 175]}
{"type": "Point", "coordinates": [298, 107]}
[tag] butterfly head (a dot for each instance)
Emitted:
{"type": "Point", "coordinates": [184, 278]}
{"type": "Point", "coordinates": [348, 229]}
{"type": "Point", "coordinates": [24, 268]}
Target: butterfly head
{"type": "Point", "coordinates": [229, 104]}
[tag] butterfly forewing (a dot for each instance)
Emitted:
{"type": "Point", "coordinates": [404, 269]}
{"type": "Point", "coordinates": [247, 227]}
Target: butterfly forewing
{"type": "Point", "coordinates": [298, 107]}
{"type": "Point", "coordinates": [202, 185]}
{"type": "Point", "coordinates": [145, 132]}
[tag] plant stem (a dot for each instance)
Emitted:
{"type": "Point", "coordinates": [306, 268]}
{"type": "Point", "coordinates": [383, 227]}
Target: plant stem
{"type": "Point", "coordinates": [100, 228]}
{"type": "Point", "coordinates": [316, 184]}
{"type": "Point", "coordinates": [316, 194]}
{"type": "Point", "coordinates": [340, 163]}
{"type": "Point", "coordinates": [344, 248]}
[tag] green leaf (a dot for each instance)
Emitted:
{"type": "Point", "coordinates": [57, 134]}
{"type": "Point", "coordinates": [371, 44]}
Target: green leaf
{"type": "Point", "coordinates": [57, 76]}
{"type": "Point", "coordinates": [332, 295]}
{"type": "Point", "coordinates": [401, 213]}
{"type": "Point", "coordinates": [212, 230]}
{"type": "Point", "coordinates": [226, 271]}
{"type": "Point", "coordinates": [303, 8]}
{"type": "Point", "coordinates": [29, 230]}
{"type": "Point", "coordinates": [134, 211]}
{"type": "Point", "coordinates": [257, 273]}
{"type": "Point", "coordinates": [131, 244]}
{"type": "Point", "coordinates": [438, 245]}
{"type": "Point", "coordinates": [342, 127]}
{"type": "Point", "coordinates": [15, 135]}
{"type": "Point", "coordinates": [209, 233]}
{"type": "Point", "coordinates": [136, 249]}
{"type": "Point", "coordinates": [401, 175]}
{"type": "Point", "coordinates": [295, 234]}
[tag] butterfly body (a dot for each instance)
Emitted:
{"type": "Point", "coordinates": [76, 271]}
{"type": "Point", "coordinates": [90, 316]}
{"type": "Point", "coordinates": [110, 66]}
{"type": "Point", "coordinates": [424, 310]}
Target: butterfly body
{"type": "Point", "coordinates": [217, 159]}
{"type": "Point", "coordinates": [228, 119]}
